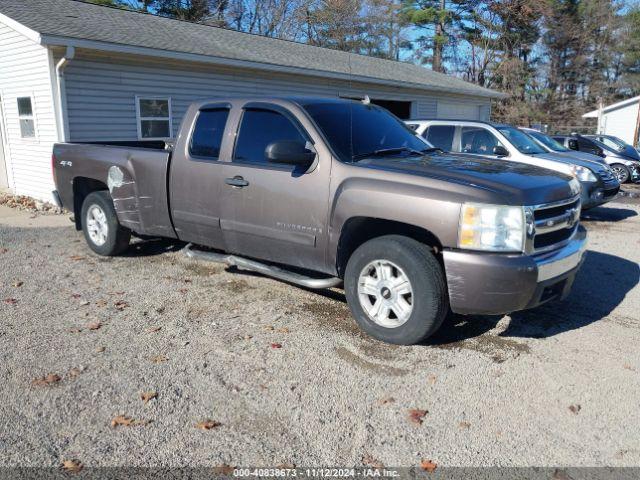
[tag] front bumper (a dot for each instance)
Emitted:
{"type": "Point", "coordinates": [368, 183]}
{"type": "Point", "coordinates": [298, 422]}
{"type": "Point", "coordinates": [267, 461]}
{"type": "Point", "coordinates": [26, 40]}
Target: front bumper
{"type": "Point", "coordinates": [598, 193]}
{"type": "Point", "coordinates": [492, 283]}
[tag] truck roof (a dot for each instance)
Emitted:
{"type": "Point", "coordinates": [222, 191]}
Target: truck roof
{"type": "Point", "coordinates": [479, 122]}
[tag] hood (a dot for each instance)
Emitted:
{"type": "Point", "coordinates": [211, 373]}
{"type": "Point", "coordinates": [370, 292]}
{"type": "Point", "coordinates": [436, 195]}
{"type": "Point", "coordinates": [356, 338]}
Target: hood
{"type": "Point", "coordinates": [513, 183]}
{"type": "Point", "coordinates": [570, 159]}
{"type": "Point", "coordinates": [628, 153]}
{"type": "Point", "coordinates": [581, 156]}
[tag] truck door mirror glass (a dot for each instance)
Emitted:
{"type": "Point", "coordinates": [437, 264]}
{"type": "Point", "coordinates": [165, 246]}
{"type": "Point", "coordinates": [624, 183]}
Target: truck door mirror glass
{"type": "Point", "coordinates": [500, 151]}
{"type": "Point", "coordinates": [572, 144]}
{"type": "Point", "coordinates": [289, 152]}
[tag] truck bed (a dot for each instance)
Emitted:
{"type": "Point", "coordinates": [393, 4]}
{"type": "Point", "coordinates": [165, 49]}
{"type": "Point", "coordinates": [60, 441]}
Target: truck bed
{"type": "Point", "coordinates": [136, 178]}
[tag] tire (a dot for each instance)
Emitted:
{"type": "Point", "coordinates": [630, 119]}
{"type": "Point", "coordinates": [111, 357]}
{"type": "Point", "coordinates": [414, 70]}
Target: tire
{"type": "Point", "coordinates": [622, 172]}
{"type": "Point", "coordinates": [382, 265]}
{"type": "Point", "coordinates": [102, 231]}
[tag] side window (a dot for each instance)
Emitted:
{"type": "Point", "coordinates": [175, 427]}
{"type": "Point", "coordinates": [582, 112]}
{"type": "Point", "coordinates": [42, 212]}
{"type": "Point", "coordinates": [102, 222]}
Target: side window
{"type": "Point", "coordinates": [478, 140]}
{"type": "Point", "coordinates": [258, 129]}
{"type": "Point", "coordinates": [207, 133]}
{"type": "Point", "coordinates": [585, 145]}
{"type": "Point", "coordinates": [26, 118]}
{"type": "Point", "coordinates": [441, 136]}
{"type": "Point", "coordinates": [154, 118]}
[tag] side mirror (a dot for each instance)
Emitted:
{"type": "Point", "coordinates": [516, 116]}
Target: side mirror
{"type": "Point", "coordinates": [290, 153]}
{"type": "Point", "coordinates": [500, 151]}
{"type": "Point", "coordinates": [572, 144]}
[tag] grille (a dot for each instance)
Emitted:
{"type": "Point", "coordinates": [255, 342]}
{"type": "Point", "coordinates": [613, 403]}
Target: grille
{"type": "Point", "coordinates": [555, 224]}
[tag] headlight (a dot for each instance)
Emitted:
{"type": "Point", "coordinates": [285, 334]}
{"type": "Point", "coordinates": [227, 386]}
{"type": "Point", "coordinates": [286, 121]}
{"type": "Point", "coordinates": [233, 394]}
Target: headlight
{"type": "Point", "coordinates": [583, 174]}
{"type": "Point", "coordinates": [494, 228]}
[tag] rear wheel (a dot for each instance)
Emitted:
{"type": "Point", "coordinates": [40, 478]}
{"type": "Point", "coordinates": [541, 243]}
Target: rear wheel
{"type": "Point", "coordinates": [100, 225]}
{"type": "Point", "coordinates": [396, 290]}
{"type": "Point", "coordinates": [621, 172]}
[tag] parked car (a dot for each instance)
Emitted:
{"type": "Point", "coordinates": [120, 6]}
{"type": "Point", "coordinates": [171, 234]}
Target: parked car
{"type": "Point", "coordinates": [626, 165]}
{"type": "Point", "coordinates": [505, 142]}
{"type": "Point", "coordinates": [323, 191]}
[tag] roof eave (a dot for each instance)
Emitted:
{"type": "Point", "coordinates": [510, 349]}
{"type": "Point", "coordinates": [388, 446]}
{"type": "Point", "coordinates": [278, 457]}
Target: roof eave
{"type": "Point", "coordinates": [53, 40]}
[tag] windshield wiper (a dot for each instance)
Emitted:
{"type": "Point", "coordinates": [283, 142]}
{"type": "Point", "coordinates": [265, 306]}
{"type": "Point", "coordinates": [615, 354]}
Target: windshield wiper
{"type": "Point", "coordinates": [394, 151]}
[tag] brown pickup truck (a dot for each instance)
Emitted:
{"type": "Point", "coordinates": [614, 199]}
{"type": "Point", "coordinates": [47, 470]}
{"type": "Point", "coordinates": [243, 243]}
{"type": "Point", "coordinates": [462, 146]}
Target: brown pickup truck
{"type": "Point", "coordinates": [320, 192]}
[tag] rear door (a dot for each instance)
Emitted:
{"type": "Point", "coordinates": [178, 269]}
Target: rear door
{"type": "Point", "coordinates": [275, 212]}
{"type": "Point", "coordinates": [197, 178]}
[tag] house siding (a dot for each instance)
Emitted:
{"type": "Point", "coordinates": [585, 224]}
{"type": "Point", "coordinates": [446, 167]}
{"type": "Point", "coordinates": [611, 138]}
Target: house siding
{"type": "Point", "coordinates": [621, 122]}
{"type": "Point", "coordinates": [101, 91]}
{"type": "Point", "coordinates": [25, 71]}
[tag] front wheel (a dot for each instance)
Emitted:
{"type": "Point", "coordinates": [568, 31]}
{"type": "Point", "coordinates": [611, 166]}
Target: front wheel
{"type": "Point", "coordinates": [396, 290]}
{"type": "Point", "coordinates": [100, 225]}
{"type": "Point", "coordinates": [621, 172]}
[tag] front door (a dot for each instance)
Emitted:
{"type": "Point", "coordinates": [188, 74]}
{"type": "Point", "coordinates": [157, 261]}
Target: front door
{"type": "Point", "coordinates": [270, 211]}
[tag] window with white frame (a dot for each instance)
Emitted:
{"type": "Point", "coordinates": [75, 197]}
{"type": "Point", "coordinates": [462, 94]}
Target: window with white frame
{"type": "Point", "coordinates": [26, 117]}
{"type": "Point", "coordinates": [154, 118]}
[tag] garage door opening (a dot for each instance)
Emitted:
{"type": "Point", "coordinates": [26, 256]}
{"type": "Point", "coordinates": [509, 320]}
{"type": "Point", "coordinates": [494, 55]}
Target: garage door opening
{"type": "Point", "coordinates": [399, 109]}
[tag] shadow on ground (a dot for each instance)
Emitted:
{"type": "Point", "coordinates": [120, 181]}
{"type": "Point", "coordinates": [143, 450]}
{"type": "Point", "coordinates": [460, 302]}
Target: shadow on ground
{"type": "Point", "coordinates": [601, 285]}
{"type": "Point", "coordinates": [607, 214]}
{"type": "Point", "coordinates": [152, 247]}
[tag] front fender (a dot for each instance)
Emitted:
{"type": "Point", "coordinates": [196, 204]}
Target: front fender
{"type": "Point", "coordinates": [395, 201]}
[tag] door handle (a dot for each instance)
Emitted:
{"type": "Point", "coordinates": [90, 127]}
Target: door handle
{"type": "Point", "coordinates": [236, 181]}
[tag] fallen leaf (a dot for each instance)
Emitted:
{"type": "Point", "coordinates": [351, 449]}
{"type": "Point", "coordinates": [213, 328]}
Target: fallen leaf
{"type": "Point", "coordinates": [183, 290]}
{"type": "Point", "coordinates": [269, 327]}
{"type": "Point", "coordinates": [248, 337]}
{"type": "Point", "coordinates": [416, 415]}
{"type": "Point", "coordinates": [48, 380]}
{"type": "Point", "coordinates": [428, 465]}
{"type": "Point", "coordinates": [223, 469]}
{"type": "Point", "coordinates": [560, 475]}
{"type": "Point", "coordinates": [101, 303]}
{"type": "Point", "coordinates": [386, 400]}
{"type": "Point", "coordinates": [76, 257]}
{"type": "Point", "coordinates": [75, 295]}
{"type": "Point", "coordinates": [120, 305]}
{"type": "Point", "coordinates": [626, 366]}
{"type": "Point", "coordinates": [187, 280]}
{"type": "Point", "coordinates": [464, 425]}
{"type": "Point", "coordinates": [575, 408]}
{"type": "Point", "coordinates": [154, 329]}
{"type": "Point", "coordinates": [146, 396]}
{"type": "Point", "coordinates": [18, 284]}
{"type": "Point", "coordinates": [94, 326]}
{"type": "Point", "coordinates": [160, 310]}
{"type": "Point", "coordinates": [74, 372]}
{"type": "Point", "coordinates": [71, 466]}
{"type": "Point", "coordinates": [3, 250]}
{"type": "Point", "coordinates": [276, 345]}
{"type": "Point", "coordinates": [122, 420]}
{"type": "Point", "coordinates": [100, 349]}
{"type": "Point", "coordinates": [117, 293]}
{"type": "Point", "coordinates": [75, 330]}
{"type": "Point", "coordinates": [432, 379]}
{"type": "Point", "coordinates": [283, 330]}
{"type": "Point", "coordinates": [10, 301]}
{"type": "Point", "coordinates": [159, 359]}
{"type": "Point", "coordinates": [207, 424]}
{"type": "Point", "coordinates": [371, 461]}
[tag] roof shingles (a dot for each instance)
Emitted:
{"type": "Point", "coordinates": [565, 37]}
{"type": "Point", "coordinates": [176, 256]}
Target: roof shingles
{"type": "Point", "coordinates": [78, 20]}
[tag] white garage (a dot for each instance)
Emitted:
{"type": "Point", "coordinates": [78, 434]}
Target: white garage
{"type": "Point", "coordinates": [620, 119]}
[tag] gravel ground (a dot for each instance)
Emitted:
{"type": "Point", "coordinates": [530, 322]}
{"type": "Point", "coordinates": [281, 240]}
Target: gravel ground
{"type": "Point", "coordinates": [284, 375]}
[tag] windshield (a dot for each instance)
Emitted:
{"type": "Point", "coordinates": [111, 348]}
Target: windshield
{"type": "Point", "coordinates": [612, 142]}
{"type": "Point", "coordinates": [546, 140]}
{"type": "Point", "coordinates": [356, 130]}
{"type": "Point", "coordinates": [523, 142]}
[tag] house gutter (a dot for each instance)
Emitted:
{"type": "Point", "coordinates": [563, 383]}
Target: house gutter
{"type": "Point", "coordinates": [63, 120]}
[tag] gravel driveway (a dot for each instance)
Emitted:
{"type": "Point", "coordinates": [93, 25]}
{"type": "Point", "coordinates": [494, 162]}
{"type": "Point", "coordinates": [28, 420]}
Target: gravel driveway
{"type": "Point", "coordinates": [237, 369]}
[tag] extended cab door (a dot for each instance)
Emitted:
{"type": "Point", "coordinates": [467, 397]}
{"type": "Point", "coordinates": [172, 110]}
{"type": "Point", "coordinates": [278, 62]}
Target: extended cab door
{"type": "Point", "coordinates": [196, 176]}
{"type": "Point", "coordinates": [271, 211]}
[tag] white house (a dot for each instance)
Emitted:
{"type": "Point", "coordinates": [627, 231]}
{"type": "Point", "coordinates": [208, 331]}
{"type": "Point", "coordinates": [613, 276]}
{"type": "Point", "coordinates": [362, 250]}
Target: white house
{"type": "Point", "coordinates": [72, 71]}
{"type": "Point", "coordinates": [619, 119]}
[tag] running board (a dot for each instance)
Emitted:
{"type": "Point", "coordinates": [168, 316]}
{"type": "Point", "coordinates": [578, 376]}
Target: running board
{"type": "Point", "coordinates": [268, 270]}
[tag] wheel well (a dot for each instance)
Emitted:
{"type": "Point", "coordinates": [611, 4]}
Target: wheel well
{"type": "Point", "coordinates": [83, 186]}
{"type": "Point", "coordinates": [359, 230]}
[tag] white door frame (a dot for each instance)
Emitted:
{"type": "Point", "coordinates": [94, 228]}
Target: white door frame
{"type": "Point", "coordinates": [5, 175]}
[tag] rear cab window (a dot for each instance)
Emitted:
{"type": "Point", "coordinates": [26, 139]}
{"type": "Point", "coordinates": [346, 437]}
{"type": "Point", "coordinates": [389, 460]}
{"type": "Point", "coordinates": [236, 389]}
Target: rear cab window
{"type": "Point", "coordinates": [260, 127]}
{"type": "Point", "coordinates": [441, 136]}
{"type": "Point", "coordinates": [206, 139]}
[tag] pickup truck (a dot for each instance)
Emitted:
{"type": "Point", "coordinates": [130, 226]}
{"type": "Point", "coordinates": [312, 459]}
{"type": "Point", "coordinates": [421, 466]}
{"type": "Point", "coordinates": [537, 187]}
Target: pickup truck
{"type": "Point", "coordinates": [330, 192]}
